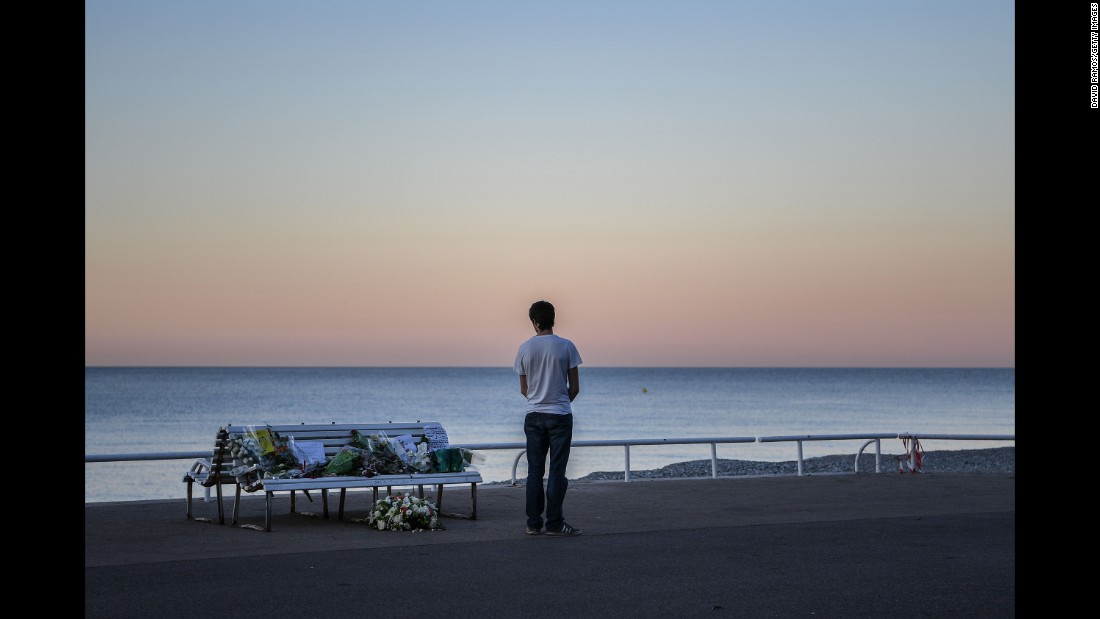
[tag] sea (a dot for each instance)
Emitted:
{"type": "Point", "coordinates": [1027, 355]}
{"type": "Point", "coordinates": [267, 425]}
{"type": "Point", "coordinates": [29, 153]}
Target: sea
{"type": "Point", "coordinates": [138, 410]}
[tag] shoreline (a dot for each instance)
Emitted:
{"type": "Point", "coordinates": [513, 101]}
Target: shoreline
{"type": "Point", "coordinates": [991, 460]}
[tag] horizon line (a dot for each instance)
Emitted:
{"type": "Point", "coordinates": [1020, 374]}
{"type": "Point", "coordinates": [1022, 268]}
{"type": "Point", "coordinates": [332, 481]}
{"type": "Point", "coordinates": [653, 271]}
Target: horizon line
{"type": "Point", "coordinates": [588, 366]}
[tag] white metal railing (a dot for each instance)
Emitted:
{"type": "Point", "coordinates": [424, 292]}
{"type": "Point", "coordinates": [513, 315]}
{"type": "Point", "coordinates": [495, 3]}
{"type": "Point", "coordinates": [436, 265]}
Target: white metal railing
{"type": "Point", "coordinates": [628, 443]}
{"type": "Point", "coordinates": [799, 439]}
{"type": "Point", "coordinates": [877, 440]}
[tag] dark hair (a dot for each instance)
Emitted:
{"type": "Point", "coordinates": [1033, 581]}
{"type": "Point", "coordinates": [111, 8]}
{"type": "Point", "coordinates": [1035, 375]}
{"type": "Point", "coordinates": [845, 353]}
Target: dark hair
{"type": "Point", "coordinates": [542, 312]}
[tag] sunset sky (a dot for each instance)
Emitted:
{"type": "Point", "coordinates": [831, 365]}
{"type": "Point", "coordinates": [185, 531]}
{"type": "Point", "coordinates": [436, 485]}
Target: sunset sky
{"type": "Point", "coordinates": [697, 183]}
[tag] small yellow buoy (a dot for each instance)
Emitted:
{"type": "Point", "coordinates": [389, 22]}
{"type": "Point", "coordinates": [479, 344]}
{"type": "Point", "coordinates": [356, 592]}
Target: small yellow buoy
{"type": "Point", "coordinates": [644, 390]}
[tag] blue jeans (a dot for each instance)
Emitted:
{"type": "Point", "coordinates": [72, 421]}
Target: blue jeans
{"type": "Point", "coordinates": [547, 432]}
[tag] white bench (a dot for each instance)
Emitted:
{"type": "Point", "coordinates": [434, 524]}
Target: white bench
{"type": "Point", "coordinates": [216, 471]}
{"type": "Point", "coordinates": [211, 472]}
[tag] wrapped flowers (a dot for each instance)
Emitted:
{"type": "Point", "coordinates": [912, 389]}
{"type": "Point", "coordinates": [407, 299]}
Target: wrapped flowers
{"type": "Point", "coordinates": [261, 453]}
{"type": "Point", "coordinates": [403, 512]}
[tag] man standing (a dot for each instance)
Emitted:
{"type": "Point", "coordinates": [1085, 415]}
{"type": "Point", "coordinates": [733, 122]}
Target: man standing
{"type": "Point", "coordinates": [548, 378]}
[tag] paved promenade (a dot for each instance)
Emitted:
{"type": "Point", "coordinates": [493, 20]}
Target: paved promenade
{"type": "Point", "coordinates": [851, 545]}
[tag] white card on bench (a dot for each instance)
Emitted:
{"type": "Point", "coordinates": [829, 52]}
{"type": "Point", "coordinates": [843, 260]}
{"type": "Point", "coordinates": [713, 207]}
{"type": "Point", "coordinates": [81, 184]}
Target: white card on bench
{"type": "Point", "coordinates": [308, 452]}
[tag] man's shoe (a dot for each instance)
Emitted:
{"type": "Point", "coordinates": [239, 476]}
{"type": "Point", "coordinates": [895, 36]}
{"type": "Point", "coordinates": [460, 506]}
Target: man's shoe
{"type": "Point", "coordinates": [565, 531]}
{"type": "Point", "coordinates": [531, 531]}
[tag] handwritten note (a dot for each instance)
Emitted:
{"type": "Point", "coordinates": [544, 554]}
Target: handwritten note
{"type": "Point", "coordinates": [436, 435]}
{"type": "Point", "coordinates": [308, 452]}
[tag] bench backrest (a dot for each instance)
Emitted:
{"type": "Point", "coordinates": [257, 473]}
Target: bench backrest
{"type": "Point", "coordinates": [221, 461]}
{"type": "Point", "coordinates": [334, 436]}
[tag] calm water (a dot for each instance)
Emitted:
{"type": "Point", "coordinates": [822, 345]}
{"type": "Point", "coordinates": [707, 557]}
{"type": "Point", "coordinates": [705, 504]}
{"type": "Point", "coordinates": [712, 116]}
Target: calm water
{"type": "Point", "coordinates": [136, 410]}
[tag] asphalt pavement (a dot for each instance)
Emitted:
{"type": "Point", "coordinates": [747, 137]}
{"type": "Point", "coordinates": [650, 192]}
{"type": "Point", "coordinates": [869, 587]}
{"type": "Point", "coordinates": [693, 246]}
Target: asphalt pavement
{"type": "Point", "coordinates": [845, 545]}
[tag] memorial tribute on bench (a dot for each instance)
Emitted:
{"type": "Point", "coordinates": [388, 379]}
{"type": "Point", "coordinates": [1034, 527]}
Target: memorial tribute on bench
{"type": "Point", "coordinates": [324, 457]}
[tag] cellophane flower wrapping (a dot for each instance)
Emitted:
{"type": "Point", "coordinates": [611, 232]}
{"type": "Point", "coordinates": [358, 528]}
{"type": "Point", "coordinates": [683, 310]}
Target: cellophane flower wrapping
{"type": "Point", "coordinates": [419, 459]}
{"type": "Point", "coordinates": [404, 512]}
{"type": "Point", "coordinates": [261, 453]}
{"type": "Point", "coordinates": [455, 459]}
{"type": "Point", "coordinates": [344, 462]}
{"type": "Point", "coordinates": [384, 456]}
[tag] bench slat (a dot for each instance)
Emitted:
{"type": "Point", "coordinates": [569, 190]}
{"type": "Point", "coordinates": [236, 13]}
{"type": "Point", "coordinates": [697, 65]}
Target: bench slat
{"type": "Point", "coordinates": [388, 428]}
{"type": "Point", "coordinates": [328, 483]}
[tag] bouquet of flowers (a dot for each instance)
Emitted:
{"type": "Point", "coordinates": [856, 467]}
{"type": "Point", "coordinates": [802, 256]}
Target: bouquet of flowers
{"type": "Point", "coordinates": [402, 512]}
{"type": "Point", "coordinates": [264, 451]}
{"type": "Point", "coordinates": [419, 459]}
{"type": "Point", "coordinates": [345, 460]}
{"type": "Point", "coordinates": [382, 457]}
{"type": "Point", "coordinates": [454, 459]}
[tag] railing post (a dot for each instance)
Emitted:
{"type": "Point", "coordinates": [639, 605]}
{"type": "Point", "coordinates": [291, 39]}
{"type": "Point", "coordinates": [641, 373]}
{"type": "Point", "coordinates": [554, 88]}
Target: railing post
{"type": "Point", "coordinates": [878, 455]}
{"type": "Point", "coordinates": [800, 458]}
{"type": "Point", "coordinates": [626, 475]}
{"type": "Point", "coordinates": [515, 464]}
{"type": "Point", "coordinates": [714, 460]}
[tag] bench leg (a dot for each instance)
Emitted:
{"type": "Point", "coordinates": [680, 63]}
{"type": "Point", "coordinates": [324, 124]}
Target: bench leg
{"type": "Point", "coordinates": [324, 502]}
{"type": "Point", "coordinates": [375, 489]}
{"type": "Point", "coordinates": [293, 494]}
{"type": "Point", "coordinates": [188, 499]}
{"type": "Point", "coordinates": [343, 492]}
{"type": "Point", "coordinates": [473, 498]}
{"type": "Point", "coordinates": [267, 516]}
{"type": "Point", "coordinates": [439, 497]}
{"type": "Point", "coordinates": [221, 509]}
{"type": "Point", "coordinates": [473, 501]}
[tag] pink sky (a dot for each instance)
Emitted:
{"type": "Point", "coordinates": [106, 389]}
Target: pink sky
{"type": "Point", "coordinates": [454, 290]}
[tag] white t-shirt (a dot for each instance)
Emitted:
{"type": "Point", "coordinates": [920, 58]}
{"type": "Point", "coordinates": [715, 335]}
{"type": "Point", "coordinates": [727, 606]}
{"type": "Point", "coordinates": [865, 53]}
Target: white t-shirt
{"type": "Point", "coordinates": [546, 360]}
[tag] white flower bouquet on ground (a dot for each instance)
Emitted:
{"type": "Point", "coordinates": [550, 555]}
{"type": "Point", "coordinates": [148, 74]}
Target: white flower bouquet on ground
{"type": "Point", "coordinates": [403, 512]}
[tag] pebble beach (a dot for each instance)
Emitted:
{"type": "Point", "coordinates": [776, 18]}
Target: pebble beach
{"type": "Point", "coordinates": [995, 460]}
